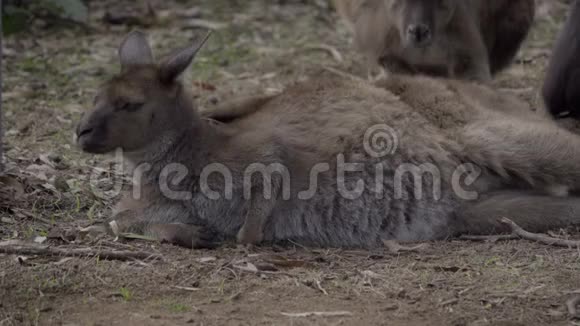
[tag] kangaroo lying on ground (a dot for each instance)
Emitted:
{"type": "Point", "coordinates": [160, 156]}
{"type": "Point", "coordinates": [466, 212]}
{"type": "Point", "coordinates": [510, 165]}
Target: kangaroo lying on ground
{"type": "Point", "coordinates": [561, 90]}
{"type": "Point", "coordinates": [346, 163]}
{"type": "Point", "coordinates": [467, 39]}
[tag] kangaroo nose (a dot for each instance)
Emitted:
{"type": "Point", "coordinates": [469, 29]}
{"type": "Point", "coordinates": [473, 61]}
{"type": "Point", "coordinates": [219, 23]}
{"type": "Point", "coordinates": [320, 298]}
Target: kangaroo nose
{"type": "Point", "coordinates": [84, 127]}
{"type": "Point", "coordinates": [84, 131]}
{"type": "Point", "coordinates": [419, 34]}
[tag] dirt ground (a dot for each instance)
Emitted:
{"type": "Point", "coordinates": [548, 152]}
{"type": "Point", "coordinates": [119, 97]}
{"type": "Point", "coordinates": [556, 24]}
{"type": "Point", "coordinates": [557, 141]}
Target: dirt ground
{"type": "Point", "coordinates": [50, 77]}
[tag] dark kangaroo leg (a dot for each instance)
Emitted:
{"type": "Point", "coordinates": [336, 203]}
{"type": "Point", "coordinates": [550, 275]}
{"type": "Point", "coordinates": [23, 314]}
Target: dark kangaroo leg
{"type": "Point", "coordinates": [534, 213]}
{"type": "Point", "coordinates": [573, 94]}
{"type": "Point", "coordinates": [471, 62]}
{"type": "Point", "coordinates": [513, 23]}
{"type": "Point", "coordinates": [560, 87]}
{"type": "Point", "coordinates": [540, 153]}
{"type": "Point", "coordinates": [181, 234]}
{"type": "Point", "coordinates": [184, 235]}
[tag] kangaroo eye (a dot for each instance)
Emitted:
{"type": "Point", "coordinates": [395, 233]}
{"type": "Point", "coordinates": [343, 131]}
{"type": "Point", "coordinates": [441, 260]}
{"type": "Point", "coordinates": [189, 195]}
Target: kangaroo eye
{"type": "Point", "coordinates": [128, 106]}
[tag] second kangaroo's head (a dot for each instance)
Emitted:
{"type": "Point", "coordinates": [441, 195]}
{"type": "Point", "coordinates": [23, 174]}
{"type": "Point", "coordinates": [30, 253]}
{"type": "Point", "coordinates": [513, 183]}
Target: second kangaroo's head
{"type": "Point", "coordinates": [419, 21]}
{"type": "Point", "coordinates": [142, 103]}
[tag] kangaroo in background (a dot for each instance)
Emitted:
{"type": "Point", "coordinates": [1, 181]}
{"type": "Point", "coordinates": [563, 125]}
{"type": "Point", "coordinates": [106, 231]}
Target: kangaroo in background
{"type": "Point", "coordinates": [561, 89]}
{"type": "Point", "coordinates": [330, 181]}
{"type": "Point", "coordinates": [466, 39]}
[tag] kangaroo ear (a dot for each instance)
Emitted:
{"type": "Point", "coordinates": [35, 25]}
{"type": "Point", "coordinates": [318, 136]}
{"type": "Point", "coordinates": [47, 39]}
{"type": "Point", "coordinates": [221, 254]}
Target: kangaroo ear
{"type": "Point", "coordinates": [175, 64]}
{"type": "Point", "coordinates": [135, 50]}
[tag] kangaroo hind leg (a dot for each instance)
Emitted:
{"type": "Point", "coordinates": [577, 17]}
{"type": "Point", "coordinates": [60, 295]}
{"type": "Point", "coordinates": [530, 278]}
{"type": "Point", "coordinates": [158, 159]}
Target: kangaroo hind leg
{"type": "Point", "coordinates": [534, 213]}
{"type": "Point", "coordinates": [537, 152]}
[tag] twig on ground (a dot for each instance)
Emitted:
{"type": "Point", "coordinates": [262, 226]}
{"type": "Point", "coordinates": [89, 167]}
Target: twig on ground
{"type": "Point", "coordinates": [320, 288]}
{"type": "Point", "coordinates": [205, 24]}
{"type": "Point", "coordinates": [517, 230]}
{"type": "Point", "coordinates": [34, 217]}
{"type": "Point", "coordinates": [185, 288]}
{"type": "Point", "coordinates": [301, 246]}
{"type": "Point", "coordinates": [534, 289]}
{"type": "Point", "coordinates": [467, 289]}
{"type": "Point", "coordinates": [343, 74]}
{"type": "Point", "coordinates": [20, 248]}
{"type": "Point", "coordinates": [251, 268]}
{"type": "Point", "coordinates": [449, 302]}
{"type": "Point", "coordinates": [572, 306]}
{"type": "Point", "coordinates": [318, 314]}
{"type": "Point", "coordinates": [489, 238]}
{"type": "Point", "coordinates": [327, 48]}
{"type": "Point", "coordinates": [394, 247]}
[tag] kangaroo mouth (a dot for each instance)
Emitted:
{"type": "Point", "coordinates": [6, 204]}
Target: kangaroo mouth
{"type": "Point", "coordinates": [92, 139]}
{"type": "Point", "coordinates": [95, 149]}
{"type": "Point", "coordinates": [90, 146]}
{"type": "Point", "coordinates": [422, 44]}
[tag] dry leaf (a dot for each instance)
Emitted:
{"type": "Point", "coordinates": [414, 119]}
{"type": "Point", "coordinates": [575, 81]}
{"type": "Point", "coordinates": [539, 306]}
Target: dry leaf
{"type": "Point", "coordinates": [14, 185]}
{"type": "Point", "coordinates": [248, 267]}
{"type": "Point", "coordinates": [7, 220]}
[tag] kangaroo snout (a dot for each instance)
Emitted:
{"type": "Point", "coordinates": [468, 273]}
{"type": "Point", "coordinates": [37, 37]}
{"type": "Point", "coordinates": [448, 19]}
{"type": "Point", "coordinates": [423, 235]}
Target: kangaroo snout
{"type": "Point", "coordinates": [90, 135]}
{"type": "Point", "coordinates": [419, 35]}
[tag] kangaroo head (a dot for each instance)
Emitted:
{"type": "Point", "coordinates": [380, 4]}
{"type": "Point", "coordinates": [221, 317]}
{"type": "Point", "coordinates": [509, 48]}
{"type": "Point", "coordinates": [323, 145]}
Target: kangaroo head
{"type": "Point", "coordinates": [142, 103]}
{"type": "Point", "coordinates": [419, 21]}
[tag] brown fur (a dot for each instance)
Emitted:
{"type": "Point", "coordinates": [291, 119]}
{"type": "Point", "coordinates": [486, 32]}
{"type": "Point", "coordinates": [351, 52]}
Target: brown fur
{"type": "Point", "coordinates": [470, 39]}
{"type": "Point", "coordinates": [444, 122]}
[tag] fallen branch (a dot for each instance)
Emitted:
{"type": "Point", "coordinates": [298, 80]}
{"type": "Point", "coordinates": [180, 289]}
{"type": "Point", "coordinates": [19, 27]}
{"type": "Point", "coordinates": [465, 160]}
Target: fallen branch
{"type": "Point", "coordinates": [541, 238]}
{"type": "Point", "coordinates": [20, 248]}
{"type": "Point", "coordinates": [318, 314]}
{"type": "Point", "coordinates": [489, 238]}
{"type": "Point", "coordinates": [573, 305]}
